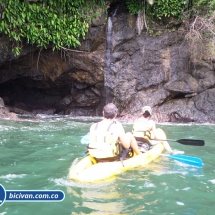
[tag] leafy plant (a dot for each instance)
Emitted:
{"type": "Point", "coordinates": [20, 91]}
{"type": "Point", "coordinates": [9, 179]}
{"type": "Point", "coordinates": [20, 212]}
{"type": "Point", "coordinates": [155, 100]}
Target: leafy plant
{"type": "Point", "coordinates": [47, 22]}
{"type": "Point", "coordinates": [204, 7]}
{"type": "Point", "coordinates": [159, 8]}
{"type": "Point", "coordinates": [62, 23]}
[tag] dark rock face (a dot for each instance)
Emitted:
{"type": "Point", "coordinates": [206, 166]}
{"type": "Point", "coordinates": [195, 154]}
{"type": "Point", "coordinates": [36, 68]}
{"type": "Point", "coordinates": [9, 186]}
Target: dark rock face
{"type": "Point", "coordinates": [53, 83]}
{"type": "Point", "coordinates": [128, 69]}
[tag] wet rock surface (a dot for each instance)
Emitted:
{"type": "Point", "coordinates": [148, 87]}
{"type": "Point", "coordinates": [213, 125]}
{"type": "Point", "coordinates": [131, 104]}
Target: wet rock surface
{"type": "Point", "coordinates": [141, 70]}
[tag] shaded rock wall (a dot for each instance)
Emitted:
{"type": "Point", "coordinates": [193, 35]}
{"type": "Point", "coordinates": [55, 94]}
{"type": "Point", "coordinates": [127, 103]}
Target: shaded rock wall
{"type": "Point", "coordinates": [141, 70]}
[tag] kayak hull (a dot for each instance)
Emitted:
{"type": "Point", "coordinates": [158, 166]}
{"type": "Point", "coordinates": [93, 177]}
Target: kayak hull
{"type": "Point", "coordinates": [88, 170]}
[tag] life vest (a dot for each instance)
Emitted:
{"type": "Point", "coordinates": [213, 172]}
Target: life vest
{"type": "Point", "coordinates": [105, 147]}
{"type": "Point", "coordinates": [142, 134]}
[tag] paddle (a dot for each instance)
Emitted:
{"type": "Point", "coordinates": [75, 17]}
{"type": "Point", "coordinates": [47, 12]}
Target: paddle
{"type": "Point", "coordinates": [182, 158]}
{"type": "Point", "coordinates": [85, 139]}
{"type": "Point", "coordinates": [186, 159]}
{"type": "Point", "coordinates": [186, 142]}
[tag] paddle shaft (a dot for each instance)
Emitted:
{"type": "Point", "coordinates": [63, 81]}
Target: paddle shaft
{"type": "Point", "coordinates": [186, 141]}
{"type": "Point", "coordinates": [181, 141]}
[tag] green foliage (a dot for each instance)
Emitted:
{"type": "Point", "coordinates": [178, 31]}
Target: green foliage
{"type": "Point", "coordinates": [134, 6]}
{"type": "Point", "coordinates": [45, 22]}
{"type": "Point", "coordinates": [170, 8]}
{"type": "Point", "coordinates": [160, 8]}
{"type": "Point", "coordinates": [200, 32]}
{"type": "Point", "coordinates": [167, 8]}
{"type": "Point", "coordinates": [204, 3]}
{"type": "Point", "coordinates": [62, 23]}
{"type": "Point", "coordinates": [205, 7]}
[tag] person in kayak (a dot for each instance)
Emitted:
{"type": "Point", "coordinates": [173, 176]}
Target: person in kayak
{"type": "Point", "coordinates": [144, 130]}
{"type": "Point", "coordinates": [108, 138]}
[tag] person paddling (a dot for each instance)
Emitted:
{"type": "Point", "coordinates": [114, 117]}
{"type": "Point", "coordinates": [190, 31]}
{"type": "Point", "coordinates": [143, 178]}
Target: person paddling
{"type": "Point", "coordinates": [105, 135]}
{"type": "Point", "coordinates": [144, 130]}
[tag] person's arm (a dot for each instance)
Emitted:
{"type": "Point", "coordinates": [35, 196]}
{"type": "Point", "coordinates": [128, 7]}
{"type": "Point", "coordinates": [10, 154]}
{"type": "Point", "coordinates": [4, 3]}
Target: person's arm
{"type": "Point", "coordinates": [153, 129]}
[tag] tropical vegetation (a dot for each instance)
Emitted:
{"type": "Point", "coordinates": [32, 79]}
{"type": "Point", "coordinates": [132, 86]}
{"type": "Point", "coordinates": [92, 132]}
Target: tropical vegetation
{"type": "Point", "coordinates": [63, 23]}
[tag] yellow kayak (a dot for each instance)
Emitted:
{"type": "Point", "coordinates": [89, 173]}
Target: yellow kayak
{"type": "Point", "coordinates": [88, 170]}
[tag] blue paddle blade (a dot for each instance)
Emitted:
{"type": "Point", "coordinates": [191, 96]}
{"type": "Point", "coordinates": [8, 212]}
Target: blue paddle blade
{"type": "Point", "coordinates": [85, 139]}
{"type": "Point", "coordinates": [187, 159]}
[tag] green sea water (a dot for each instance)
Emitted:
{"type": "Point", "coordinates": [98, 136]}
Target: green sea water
{"type": "Point", "coordinates": [38, 156]}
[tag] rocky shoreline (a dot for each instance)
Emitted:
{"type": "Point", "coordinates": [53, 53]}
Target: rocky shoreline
{"type": "Point", "coordinates": [7, 114]}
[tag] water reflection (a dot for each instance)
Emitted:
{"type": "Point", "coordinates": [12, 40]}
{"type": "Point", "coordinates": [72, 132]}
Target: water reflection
{"type": "Point", "coordinates": [105, 199]}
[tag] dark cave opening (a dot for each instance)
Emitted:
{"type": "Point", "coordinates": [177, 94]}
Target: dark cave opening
{"type": "Point", "coordinates": [24, 95]}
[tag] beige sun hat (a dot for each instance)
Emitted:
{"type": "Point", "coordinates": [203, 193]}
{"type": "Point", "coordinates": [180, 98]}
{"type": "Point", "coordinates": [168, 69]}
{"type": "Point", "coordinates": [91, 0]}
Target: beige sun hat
{"type": "Point", "coordinates": [147, 108]}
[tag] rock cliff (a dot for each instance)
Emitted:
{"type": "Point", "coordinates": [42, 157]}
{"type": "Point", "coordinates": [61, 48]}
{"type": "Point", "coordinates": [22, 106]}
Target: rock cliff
{"type": "Point", "coordinates": [113, 64]}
